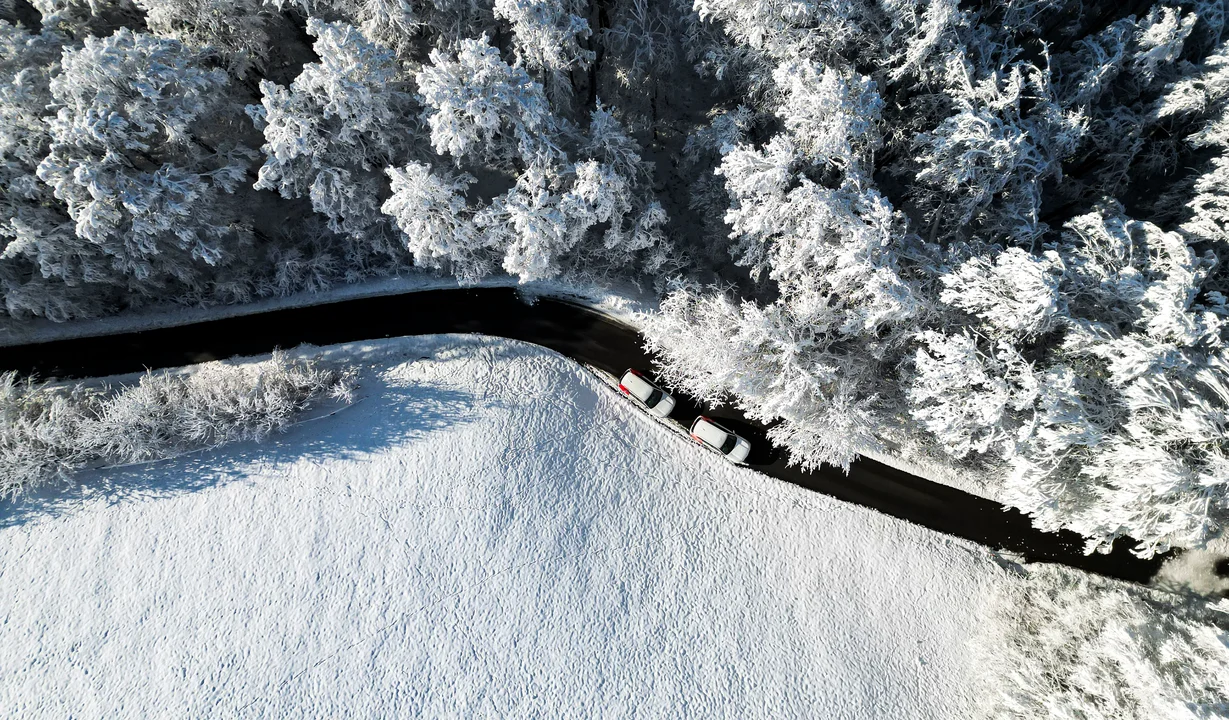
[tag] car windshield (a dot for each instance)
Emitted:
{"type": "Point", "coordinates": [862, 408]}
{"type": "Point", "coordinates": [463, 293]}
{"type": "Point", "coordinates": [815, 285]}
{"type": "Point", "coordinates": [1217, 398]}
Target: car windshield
{"type": "Point", "coordinates": [653, 398]}
{"type": "Point", "coordinates": [730, 441]}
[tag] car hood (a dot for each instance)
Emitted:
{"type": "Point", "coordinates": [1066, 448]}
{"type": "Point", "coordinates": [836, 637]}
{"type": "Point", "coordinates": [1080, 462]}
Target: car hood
{"type": "Point", "coordinates": [740, 452]}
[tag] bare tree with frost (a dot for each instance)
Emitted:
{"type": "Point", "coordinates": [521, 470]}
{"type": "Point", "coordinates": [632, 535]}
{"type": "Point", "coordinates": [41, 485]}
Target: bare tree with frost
{"type": "Point", "coordinates": [645, 36]}
{"type": "Point", "coordinates": [79, 18]}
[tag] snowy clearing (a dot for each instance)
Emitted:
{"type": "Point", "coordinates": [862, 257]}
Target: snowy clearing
{"type": "Point", "coordinates": [489, 532]}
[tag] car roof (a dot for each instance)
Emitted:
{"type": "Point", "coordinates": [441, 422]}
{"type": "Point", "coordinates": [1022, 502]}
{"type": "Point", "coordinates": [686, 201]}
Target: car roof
{"type": "Point", "coordinates": [709, 432]}
{"type": "Point", "coordinates": [637, 385]}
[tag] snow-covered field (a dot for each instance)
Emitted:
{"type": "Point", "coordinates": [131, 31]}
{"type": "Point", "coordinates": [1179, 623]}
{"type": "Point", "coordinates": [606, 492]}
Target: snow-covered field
{"type": "Point", "coordinates": [489, 532]}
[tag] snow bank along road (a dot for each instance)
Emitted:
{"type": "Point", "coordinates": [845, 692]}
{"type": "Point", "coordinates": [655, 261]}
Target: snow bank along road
{"type": "Point", "coordinates": [584, 335]}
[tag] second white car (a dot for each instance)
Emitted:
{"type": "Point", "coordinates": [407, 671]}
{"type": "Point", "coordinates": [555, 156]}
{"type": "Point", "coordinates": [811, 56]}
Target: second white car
{"type": "Point", "coordinates": [704, 430]}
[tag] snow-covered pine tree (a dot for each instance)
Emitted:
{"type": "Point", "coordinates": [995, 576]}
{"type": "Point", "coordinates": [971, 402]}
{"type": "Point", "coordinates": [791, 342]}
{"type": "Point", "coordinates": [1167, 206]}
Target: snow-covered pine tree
{"type": "Point", "coordinates": [1144, 364]}
{"type": "Point", "coordinates": [431, 211]}
{"type": "Point", "coordinates": [142, 156]}
{"type": "Point", "coordinates": [329, 136]}
{"type": "Point", "coordinates": [803, 218]}
{"type": "Point", "coordinates": [236, 28]}
{"type": "Point", "coordinates": [46, 270]}
{"type": "Point", "coordinates": [479, 106]}
{"type": "Point", "coordinates": [548, 34]}
{"type": "Point", "coordinates": [568, 183]}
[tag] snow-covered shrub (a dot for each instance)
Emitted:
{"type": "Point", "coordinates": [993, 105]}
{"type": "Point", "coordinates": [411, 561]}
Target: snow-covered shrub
{"type": "Point", "coordinates": [40, 433]}
{"type": "Point", "coordinates": [305, 261]}
{"type": "Point", "coordinates": [1062, 644]}
{"type": "Point", "coordinates": [47, 433]}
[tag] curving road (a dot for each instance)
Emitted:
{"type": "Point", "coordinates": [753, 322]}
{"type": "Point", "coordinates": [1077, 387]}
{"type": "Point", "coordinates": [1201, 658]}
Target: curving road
{"type": "Point", "coordinates": [584, 335]}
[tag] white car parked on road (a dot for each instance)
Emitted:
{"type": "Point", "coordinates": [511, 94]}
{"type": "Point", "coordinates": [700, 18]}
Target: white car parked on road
{"type": "Point", "coordinates": [718, 438]}
{"type": "Point", "coordinates": [637, 386]}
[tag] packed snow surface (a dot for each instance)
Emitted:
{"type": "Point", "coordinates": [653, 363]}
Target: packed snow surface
{"type": "Point", "coordinates": [491, 532]}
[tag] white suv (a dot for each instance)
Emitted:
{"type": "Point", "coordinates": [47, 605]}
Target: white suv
{"type": "Point", "coordinates": [637, 386]}
{"type": "Point", "coordinates": [706, 431]}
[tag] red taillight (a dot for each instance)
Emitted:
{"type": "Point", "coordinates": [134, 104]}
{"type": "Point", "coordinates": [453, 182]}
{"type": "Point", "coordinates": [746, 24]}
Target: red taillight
{"type": "Point", "coordinates": [635, 372]}
{"type": "Point", "coordinates": [625, 392]}
{"type": "Point", "coordinates": [697, 438]}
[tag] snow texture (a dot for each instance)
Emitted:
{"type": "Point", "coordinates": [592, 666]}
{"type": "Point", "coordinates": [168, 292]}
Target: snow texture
{"type": "Point", "coordinates": [489, 532]}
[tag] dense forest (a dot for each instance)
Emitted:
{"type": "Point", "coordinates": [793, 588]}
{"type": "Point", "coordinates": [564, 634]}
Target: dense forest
{"type": "Point", "coordinates": [988, 231]}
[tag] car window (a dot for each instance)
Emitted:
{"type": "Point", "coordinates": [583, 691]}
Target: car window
{"type": "Point", "coordinates": [728, 446]}
{"type": "Point", "coordinates": [653, 398]}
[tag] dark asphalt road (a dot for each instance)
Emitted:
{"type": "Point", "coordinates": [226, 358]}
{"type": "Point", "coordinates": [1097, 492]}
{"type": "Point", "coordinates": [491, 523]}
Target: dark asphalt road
{"type": "Point", "coordinates": [584, 335]}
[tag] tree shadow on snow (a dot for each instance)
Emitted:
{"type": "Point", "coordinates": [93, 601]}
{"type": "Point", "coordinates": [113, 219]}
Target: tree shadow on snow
{"type": "Point", "coordinates": [389, 415]}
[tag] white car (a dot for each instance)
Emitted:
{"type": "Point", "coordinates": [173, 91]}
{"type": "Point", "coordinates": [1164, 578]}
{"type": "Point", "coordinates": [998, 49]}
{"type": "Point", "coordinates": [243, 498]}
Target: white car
{"type": "Point", "coordinates": [637, 386]}
{"type": "Point", "coordinates": [704, 430]}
